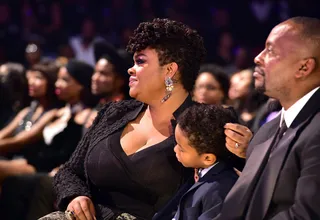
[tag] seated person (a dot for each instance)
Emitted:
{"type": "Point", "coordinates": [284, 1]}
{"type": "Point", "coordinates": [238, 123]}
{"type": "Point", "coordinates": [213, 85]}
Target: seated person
{"type": "Point", "coordinates": [62, 134]}
{"type": "Point", "coordinates": [212, 85]}
{"type": "Point", "coordinates": [201, 145]}
{"type": "Point", "coordinates": [12, 76]}
{"type": "Point", "coordinates": [125, 166]}
{"type": "Point", "coordinates": [25, 130]}
{"type": "Point", "coordinates": [14, 167]}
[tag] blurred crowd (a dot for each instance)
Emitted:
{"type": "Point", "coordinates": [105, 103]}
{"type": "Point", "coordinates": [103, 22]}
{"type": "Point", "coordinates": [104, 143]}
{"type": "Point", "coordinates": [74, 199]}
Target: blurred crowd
{"type": "Point", "coordinates": [233, 30]}
{"type": "Point", "coordinates": [62, 60]}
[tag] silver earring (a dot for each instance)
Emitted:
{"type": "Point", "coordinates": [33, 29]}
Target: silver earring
{"type": "Point", "coordinates": [169, 88]}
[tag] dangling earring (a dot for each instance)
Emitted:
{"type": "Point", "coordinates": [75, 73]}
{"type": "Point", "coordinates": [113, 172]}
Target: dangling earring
{"type": "Point", "coordinates": [169, 88]}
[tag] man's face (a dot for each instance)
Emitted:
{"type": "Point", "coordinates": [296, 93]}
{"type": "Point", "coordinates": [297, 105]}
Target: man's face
{"type": "Point", "coordinates": [103, 79]}
{"type": "Point", "coordinates": [277, 64]}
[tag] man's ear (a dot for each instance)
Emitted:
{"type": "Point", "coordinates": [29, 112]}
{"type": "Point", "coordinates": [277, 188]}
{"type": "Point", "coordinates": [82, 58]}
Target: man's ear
{"type": "Point", "coordinates": [307, 66]}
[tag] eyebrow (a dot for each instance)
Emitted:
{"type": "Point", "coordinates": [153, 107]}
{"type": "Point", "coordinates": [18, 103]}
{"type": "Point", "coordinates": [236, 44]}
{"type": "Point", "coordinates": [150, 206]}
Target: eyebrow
{"type": "Point", "coordinates": [139, 54]}
{"type": "Point", "coordinates": [268, 43]}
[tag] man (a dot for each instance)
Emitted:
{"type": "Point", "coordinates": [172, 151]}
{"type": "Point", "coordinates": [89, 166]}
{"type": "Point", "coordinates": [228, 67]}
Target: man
{"type": "Point", "coordinates": [109, 81]}
{"type": "Point", "coordinates": [281, 176]}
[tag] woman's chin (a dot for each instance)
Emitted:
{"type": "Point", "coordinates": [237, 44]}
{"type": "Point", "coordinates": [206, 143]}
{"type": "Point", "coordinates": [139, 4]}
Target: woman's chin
{"type": "Point", "coordinates": [132, 93]}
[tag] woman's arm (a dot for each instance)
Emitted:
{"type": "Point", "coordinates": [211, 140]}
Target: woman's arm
{"type": "Point", "coordinates": [9, 129]}
{"type": "Point", "coordinates": [13, 144]}
{"type": "Point", "coordinates": [14, 167]}
{"type": "Point", "coordinates": [70, 181]}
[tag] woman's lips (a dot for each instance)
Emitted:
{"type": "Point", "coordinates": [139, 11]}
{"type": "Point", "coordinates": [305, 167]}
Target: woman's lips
{"type": "Point", "coordinates": [58, 91]}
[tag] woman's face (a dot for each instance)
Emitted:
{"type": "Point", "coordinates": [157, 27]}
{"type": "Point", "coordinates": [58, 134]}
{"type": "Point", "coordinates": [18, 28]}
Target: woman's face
{"type": "Point", "coordinates": [147, 76]}
{"type": "Point", "coordinates": [240, 84]}
{"type": "Point", "coordinates": [67, 88]}
{"type": "Point", "coordinates": [208, 90]}
{"type": "Point", "coordinates": [37, 84]}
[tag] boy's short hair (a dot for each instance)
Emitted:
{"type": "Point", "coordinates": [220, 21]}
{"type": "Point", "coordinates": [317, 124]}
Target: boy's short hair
{"type": "Point", "coordinates": [203, 125]}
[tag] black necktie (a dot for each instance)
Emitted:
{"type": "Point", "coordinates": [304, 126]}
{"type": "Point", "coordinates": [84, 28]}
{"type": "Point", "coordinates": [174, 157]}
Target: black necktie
{"type": "Point", "coordinates": [255, 206]}
{"type": "Point", "coordinates": [279, 135]}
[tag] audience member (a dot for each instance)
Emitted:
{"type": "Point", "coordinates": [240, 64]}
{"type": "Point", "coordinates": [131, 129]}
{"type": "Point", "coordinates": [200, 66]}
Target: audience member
{"type": "Point", "coordinates": [201, 145]}
{"type": "Point", "coordinates": [26, 128]}
{"type": "Point", "coordinates": [110, 79]}
{"type": "Point", "coordinates": [281, 176]}
{"type": "Point", "coordinates": [12, 76]}
{"type": "Point", "coordinates": [61, 136]}
{"type": "Point", "coordinates": [135, 137]}
{"type": "Point", "coordinates": [243, 97]}
{"type": "Point", "coordinates": [13, 168]}
{"type": "Point", "coordinates": [212, 85]}
{"type": "Point", "coordinates": [82, 45]}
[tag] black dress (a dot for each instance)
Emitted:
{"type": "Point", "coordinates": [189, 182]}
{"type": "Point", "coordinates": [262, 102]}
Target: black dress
{"type": "Point", "coordinates": [133, 183]}
{"type": "Point", "coordinates": [138, 184]}
{"type": "Point", "coordinates": [47, 157]}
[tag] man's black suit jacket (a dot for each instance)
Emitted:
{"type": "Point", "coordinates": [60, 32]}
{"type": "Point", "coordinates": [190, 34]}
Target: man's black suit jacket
{"type": "Point", "coordinates": [293, 185]}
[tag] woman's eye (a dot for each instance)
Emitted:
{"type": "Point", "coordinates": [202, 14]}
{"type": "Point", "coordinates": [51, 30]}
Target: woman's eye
{"type": "Point", "coordinates": [140, 61]}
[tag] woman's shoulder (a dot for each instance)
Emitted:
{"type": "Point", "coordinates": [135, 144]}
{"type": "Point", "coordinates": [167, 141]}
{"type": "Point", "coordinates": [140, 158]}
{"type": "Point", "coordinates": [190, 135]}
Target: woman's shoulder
{"type": "Point", "coordinates": [82, 116]}
{"type": "Point", "coordinates": [113, 111]}
{"type": "Point", "coordinates": [122, 106]}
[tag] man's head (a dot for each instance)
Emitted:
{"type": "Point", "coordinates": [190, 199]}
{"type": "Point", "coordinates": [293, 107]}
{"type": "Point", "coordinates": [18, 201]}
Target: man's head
{"type": "Point", "coordinates": [288, 67]}
{"type": "Point", "coordinates": [200, 135]}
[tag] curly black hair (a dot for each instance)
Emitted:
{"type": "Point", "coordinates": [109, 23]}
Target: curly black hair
{"type": "Point", "coordinates": [204, 126]}
{"type": "Point", "coordinates": [174, 42]}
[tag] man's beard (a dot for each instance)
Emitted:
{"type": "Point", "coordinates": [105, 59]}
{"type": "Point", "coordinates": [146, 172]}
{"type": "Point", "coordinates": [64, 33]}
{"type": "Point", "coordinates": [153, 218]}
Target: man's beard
{"type": "Point", "coordinates": [261, 89]}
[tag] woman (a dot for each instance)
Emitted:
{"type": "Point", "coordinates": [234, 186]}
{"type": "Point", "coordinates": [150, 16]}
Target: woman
{"type": "Point", "coordinates": [62, 135]}
{"type": "Point", "coordinates": [12, 76]}
{"type": "Point", "coordinates": [244, 98]}
{"type": "Point", "coordinates": [212, 85]}
{"type": "Point", "coordinates": [26, 128]}
{"type": "Point", "coordinates": [125, 166]}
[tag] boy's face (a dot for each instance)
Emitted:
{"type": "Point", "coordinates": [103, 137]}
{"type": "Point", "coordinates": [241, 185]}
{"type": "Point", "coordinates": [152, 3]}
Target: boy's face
{"type": "Point", "coordinates": [186, 154]}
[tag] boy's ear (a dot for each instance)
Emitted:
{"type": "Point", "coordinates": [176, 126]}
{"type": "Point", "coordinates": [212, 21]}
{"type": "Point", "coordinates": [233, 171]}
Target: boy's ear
{"type": "Point", "coordinates": [209, 159]}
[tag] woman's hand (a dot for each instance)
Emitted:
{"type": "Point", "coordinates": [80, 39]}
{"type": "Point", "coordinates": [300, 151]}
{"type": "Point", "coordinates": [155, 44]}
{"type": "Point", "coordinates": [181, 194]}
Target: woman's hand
{"type": "Point", "coordinates": [82, 208]}
{"type": "Point", "coordinates": [54, 171]}
{"type": "Point", "coordinates": [238, 138]}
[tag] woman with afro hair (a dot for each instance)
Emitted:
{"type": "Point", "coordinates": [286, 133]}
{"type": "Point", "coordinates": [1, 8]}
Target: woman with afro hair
{"type": "Point", "coordinates": [125, 166]}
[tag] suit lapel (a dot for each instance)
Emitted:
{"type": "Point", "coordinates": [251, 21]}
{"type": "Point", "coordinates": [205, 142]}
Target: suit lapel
{"type": "Point", "coordinates": [213, 171]}
{"type": "Point", "coordinates": [238, 198]}
{"type": "Point", "coordinates": [273, 168]}
{"type": "Point", "coordinates": [195, 186]}
{"type": "Point", "coordinates": [279, 155]}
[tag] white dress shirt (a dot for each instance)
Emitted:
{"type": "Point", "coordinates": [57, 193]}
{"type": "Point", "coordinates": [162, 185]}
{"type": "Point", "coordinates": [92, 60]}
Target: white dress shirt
{"type": "Point", "coordinates": [204, 171]}
{"type": "Point", "coordinates": [291, 113]}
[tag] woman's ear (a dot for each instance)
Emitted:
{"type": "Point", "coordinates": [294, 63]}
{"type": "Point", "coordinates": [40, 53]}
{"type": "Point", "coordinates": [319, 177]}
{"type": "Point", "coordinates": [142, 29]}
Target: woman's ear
{"type": "Point", "coordinates": [172, 69]}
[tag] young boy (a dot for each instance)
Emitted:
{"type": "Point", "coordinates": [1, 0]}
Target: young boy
{"type": "Point", "coordinates": [201, 145]}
